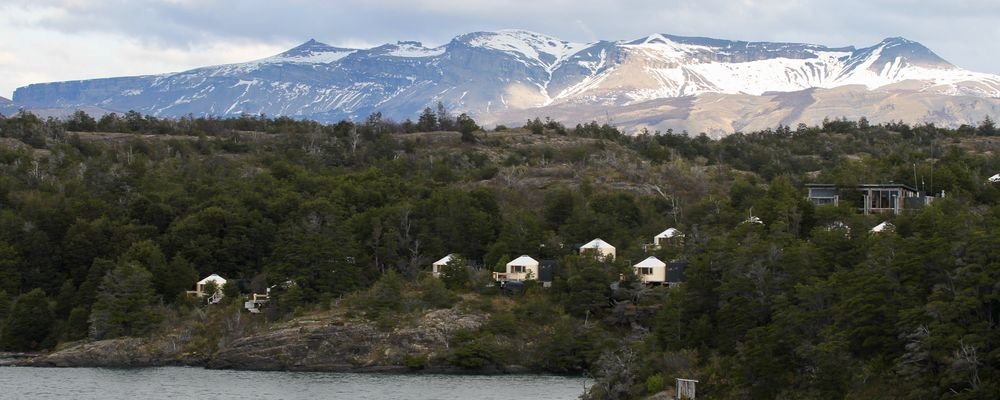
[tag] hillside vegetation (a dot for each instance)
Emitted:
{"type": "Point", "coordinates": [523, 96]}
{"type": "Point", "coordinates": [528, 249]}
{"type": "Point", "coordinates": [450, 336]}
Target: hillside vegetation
{"type": "Point", "coordinates": [104, 224]}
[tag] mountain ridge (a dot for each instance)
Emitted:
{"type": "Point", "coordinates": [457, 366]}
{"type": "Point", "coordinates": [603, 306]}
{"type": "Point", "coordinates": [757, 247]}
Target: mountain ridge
{"type": "Point", "coordinates": [507, 75]}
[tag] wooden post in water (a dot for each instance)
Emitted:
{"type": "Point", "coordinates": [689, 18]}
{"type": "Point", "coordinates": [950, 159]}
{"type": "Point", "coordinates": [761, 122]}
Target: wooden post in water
{"type": "Point", "coordinates": [686, 388]}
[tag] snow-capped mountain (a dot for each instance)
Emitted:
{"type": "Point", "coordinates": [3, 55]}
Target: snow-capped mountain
{"type": "Point", "coordinates": [509, 75]}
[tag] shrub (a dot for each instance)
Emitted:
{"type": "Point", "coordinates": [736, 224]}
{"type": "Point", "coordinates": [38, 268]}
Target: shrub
{"type": "Point", "coordinates": [478, 353]}
{"type": "Point", "coordinates": [654, 384]}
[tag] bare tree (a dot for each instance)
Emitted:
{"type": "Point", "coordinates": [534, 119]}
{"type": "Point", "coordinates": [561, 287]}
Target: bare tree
{"type": "Point", "coordinates": [408, 239]}
{"type": "Point", "coordinates": [355, 140]}
{"type": "Point", "coordinates": [376, 243]}
{"type": "Point", "coordinates": [615, 374]}
{"type": "Point", "coordinates": [675, 205]}
{"type": "Point", "coordinates": [967, 357]}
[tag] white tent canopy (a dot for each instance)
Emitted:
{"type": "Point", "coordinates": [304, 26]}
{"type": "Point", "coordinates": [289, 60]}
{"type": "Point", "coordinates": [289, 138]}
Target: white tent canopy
{"type": "Point", "coordinates": [670, 233]}
{"type": "Point", "coordinates": [436, 267]}
{"type": "Point", "coordinates": [602, 249]}
{"type": "Point", "coordinates": [523, 261]}
{"type": "Point", "coordinates": [651, 270]}
{"type": "Point", "coordinates": [651, 262]}
{"type": "Point", "coordinates": [219, 281]}
{"type": "Point", "coordinates": [521, 269]}
{"type": "Point", "coordinates": [444, 261]}
{"type": "Point", "coordinates": [597, 244]}
{"type": "Point", "coordinates": [667, 235]}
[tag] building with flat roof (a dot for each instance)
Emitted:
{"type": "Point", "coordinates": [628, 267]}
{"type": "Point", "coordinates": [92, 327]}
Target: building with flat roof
{"type": "Point", "coordinates": [870, 198]}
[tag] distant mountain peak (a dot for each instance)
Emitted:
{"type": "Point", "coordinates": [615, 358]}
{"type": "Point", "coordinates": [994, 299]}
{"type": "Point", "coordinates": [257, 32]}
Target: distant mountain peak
{"type": "Point", "coordinates": [897, 40]}
{"type": "Point", "coordinates": [656, 38]}
{"type": "Point", "coordinates": [507, 75]}
{"type": "Point", "coordinates": [899, 50]}
{"type": "Point", "coordinates": [312, 51]}
{"type": "Point", "coordinates": [530, 47]}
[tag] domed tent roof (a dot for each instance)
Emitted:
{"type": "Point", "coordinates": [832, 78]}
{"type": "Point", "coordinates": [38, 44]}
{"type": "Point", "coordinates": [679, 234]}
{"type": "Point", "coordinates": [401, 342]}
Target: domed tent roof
{"type": "Point", "coordinates": [213, 278]}
{"type": "Point", "coordinates": [444, 261]}
{"type": "Point", "coordinates": [597, 244]}
{"type": "Point", "coordinates": [523, 260]}
{"type": "Point", "coordinates": [651, 262]}
{"type": "Point", "coordinates": [670, 233]}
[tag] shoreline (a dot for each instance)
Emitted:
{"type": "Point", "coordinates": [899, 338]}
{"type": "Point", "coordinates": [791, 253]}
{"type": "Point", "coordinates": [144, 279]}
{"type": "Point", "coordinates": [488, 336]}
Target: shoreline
{"type": "Point", "coordinates": [25, 361]}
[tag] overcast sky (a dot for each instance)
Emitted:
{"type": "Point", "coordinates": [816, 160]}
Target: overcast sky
{"type": "Point", "coordinates": [58, 40]}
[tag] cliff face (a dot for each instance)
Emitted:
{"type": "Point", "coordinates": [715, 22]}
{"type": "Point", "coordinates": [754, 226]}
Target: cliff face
{"type": "Point", "coordinates": [337, 344]}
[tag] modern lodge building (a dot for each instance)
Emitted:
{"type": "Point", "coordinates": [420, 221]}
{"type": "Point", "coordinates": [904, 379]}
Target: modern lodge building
{"type": "Point", "coordinates": [870, 198]}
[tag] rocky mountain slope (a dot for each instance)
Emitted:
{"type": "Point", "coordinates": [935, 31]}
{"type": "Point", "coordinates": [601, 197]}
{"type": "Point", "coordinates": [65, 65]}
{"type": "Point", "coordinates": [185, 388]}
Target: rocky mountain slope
{"type": "Point", "coordinates": [657, 82]}
{"type": "Point", "coordinates": [7, 107]}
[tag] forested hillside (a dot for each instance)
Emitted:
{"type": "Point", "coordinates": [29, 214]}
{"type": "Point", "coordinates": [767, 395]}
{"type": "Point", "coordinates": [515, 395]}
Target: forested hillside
{"type": "Point", "coordinates": [105, 223]}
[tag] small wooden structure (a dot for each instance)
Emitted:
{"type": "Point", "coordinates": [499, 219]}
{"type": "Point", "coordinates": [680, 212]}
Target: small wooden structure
{"type": "Point", "coordinates": [686, 388]}
{"type": "Point", "coordinates": [675, 272]}
{"type": "Point", "coordinates": [257, 301]}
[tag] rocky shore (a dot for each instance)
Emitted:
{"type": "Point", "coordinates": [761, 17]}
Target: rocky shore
{"type": "Point", "coordinates": [337, 344]}
{"type": "Point", "coordinates": [8, 359]}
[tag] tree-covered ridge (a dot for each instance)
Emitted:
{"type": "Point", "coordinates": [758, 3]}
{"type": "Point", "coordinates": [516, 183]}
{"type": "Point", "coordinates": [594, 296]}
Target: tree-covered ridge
{"type": "Point", "coordinates": [107, 222]}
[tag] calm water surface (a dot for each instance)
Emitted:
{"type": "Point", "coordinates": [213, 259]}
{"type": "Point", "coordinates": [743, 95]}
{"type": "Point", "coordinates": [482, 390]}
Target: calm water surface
{"type": "Point", "coordinates": [197, 383]}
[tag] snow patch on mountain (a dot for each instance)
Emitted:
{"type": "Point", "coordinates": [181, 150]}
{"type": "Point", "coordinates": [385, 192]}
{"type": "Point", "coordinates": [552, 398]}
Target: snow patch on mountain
{"type": "Point", "coordinates": [311, 52]}
{"type": "Point", "coordinates": [416, 52]}
{"type": "Point", "coordinates": [659, 47]}
{"type": "Point", "coordinates": [543, 50]}
{"type": "Point", "coordinates": [324, 57]}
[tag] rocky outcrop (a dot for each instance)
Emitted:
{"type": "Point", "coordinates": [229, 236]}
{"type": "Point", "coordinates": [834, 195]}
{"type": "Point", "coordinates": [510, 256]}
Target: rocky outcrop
{"type": "Point", "coordinates": [334, 344]}
{"type": "Point", "coordinates": [349, 345]}
{"type": "Point", "coordinates": [7, 359]}
{"type": "Point", "coordinates": [120, 352]}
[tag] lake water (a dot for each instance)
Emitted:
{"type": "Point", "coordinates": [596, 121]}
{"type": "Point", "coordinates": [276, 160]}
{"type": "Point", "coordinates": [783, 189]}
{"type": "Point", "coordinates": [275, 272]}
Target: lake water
{"type": "Point", "coordinates": [197, 383]}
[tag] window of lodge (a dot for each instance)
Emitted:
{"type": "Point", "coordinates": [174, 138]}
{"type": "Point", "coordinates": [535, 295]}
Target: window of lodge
{"type": "Point", "coordinates": [882, 199]}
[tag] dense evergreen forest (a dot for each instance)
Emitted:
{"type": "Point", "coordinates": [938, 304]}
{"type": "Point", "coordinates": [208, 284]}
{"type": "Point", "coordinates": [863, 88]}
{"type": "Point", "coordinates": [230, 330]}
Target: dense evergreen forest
{"type": "Point", "coordinates": [106, 222]}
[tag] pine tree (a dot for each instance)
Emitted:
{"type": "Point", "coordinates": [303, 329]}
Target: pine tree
{"type": "Point", "coordinates": [455, 274]}
{"type": "Point", "coordinates": [124, 304]}
{"type": "Point", "coordinates": [428, 121]}
{"type": "Point", "coordinates": [170, 280]}
{"type": "Point", "coordinates": [467, 125]}
{"type": "Point", "coordinates": [445, 122]}
{"type": "Point", "coordinates": [29, 323]}
{"type": "Point", "coordinates": [10, 276]}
